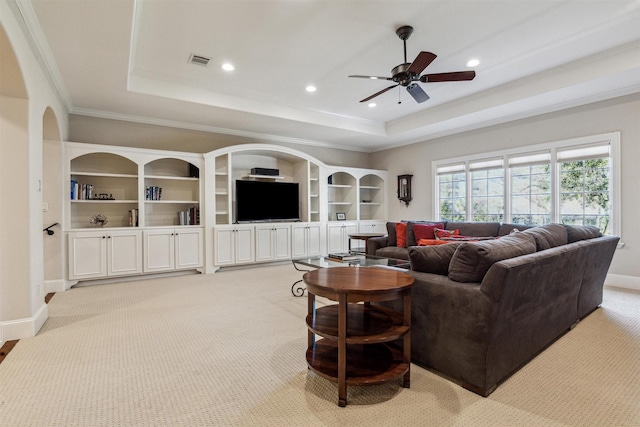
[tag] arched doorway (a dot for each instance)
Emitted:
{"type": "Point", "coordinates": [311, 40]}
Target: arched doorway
{"type": "Point", "coordinates": [52, 204]}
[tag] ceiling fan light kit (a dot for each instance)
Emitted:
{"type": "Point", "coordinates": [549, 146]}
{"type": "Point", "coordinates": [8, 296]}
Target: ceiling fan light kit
{"type": "Point", "coordinates": [408, 73]}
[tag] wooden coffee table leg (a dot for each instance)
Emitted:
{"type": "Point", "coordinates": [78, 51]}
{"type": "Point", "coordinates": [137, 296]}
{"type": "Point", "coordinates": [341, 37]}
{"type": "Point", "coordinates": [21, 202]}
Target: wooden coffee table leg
{"type": "Point", "coordinates": [342, 350]}
{"type": "Point", "coordinates": [311, 306]}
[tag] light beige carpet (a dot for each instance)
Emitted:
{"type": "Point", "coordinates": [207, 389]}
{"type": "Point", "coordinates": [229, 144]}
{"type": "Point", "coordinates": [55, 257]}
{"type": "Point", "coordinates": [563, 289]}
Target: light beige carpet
{"type": "Point", "coordinates": [228, 349]}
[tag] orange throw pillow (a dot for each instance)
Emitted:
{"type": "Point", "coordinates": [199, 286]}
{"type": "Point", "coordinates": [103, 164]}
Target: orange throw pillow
{"type": "Point", "coordinates": [432, 242]}
{"type": "Point", "coordinates": [401, 234]}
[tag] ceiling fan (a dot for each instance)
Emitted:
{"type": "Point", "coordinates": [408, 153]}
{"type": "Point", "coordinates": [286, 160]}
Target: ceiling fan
{"type": "Point", "coordinates": [407, 74]}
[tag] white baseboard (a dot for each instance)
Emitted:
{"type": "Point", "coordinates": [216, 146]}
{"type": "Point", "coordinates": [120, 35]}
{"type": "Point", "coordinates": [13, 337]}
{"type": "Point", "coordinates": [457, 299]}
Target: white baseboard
{"type": "Point", "coordinates": [621, 281]}
{"type": "Point", "coordinates": [55, 285]}
{"type": "Point", "coordinates": [24, 328]}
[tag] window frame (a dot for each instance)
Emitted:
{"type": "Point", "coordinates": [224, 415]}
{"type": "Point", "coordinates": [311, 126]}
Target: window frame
{"type": "Point", "coordinates": [611, 138]}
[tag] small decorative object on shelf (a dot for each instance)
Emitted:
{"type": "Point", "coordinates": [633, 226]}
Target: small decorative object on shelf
{"type": "Point", "coordinates": [98, 220]}
{"type": "Point", "coordinates": [341, 216]}
{"type": "Point", "coordinates": [103, 196]}
{"type": "Point", "coordinates": [404, 188]}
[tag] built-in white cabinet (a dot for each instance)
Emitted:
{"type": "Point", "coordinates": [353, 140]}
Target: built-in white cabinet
{"type": "Point", "coordinates": [234, 244]}
{"type": "Point", "coordinates": [273, 242]}
{"type": "Point", "coordinates": [102, 253]}
{"type": "Point", "coordinates": [306, 240]}
{"type": "Point", "coordinates": [117, 196]}
{"type": "Point", "coordinates": [372, 227]}
{"type": "Point", "coordinates": [183, 207]}
{"type": "Point", "coordinates": [338, 236]}
{"type": "Point", "coordinates": [172, 249]}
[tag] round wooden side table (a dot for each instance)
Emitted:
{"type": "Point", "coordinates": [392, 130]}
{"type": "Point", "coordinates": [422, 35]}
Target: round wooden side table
{"type": "Point", "coordinates": [354, 348]}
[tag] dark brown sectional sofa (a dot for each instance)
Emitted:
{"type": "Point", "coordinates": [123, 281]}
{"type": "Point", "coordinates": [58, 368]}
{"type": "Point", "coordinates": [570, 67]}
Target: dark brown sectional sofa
{"type": "Point", "coordinates": [481, 310]}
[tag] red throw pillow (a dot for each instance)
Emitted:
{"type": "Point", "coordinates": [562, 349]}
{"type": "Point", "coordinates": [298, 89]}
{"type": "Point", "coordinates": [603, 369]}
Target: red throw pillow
{"type": "Point", "coordinates": [426, 231]}
{"type": "Point", "coordinates": [401, 234]}
{"type": "Point", "coordinates": [440, 233]}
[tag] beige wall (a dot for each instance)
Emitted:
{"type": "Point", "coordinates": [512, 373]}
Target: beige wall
{"type": "Point", "coordinates": [619, 114]}
{"type": "Point", "coordinates": [25, 98]}
{"type": "Point", "coordinates": [115, 132]}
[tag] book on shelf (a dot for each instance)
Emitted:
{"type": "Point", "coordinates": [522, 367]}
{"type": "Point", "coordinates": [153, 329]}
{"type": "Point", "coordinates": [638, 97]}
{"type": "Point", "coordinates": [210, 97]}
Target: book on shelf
{"type": "Point", "coordinates": [81, 191]}
{"type": "Point", "coordinates": [342, 256]}
{"type": "Point", "coordinates": [133, 218]}
{"type": "Point", "coordinates": [189, 217]}
{"type": "Point", "coordinates": [153, 193]}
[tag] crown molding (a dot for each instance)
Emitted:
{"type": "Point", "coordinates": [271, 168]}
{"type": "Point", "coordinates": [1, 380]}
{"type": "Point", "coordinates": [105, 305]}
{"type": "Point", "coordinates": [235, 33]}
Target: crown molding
{"type": "Point", "coordinates": [209, 129]}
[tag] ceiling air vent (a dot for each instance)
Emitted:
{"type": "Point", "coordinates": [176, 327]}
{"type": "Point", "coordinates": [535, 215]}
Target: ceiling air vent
{"type": "Point", "coordinates": [199, 60]}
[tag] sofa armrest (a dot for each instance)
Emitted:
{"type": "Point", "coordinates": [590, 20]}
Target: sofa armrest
{"type": "Point", "coordinates": [375, 243]}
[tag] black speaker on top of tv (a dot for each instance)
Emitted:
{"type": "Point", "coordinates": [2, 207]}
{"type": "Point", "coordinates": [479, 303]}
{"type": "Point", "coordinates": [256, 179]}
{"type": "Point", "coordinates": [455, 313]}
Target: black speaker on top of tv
{"type": "Point", "coordinates": [265, 171]}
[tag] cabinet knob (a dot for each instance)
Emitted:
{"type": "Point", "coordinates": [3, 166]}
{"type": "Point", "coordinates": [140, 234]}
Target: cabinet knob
{"type": "Point", "coordinates": [108, 237]}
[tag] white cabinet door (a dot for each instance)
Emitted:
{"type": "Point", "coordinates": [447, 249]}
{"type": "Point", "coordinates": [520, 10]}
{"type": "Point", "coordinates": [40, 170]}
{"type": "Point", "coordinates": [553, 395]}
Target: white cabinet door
{"type": "Point", "coordinates": [87, 255]}
{"type": "Point", "coordinates": [234, 245]}
{"type": "Point", "coordinates": [244, 241]}
{"type": "Point", "coordinates": [314, 239]}
{"type": "Point", "coordinates": [96, 254]}
{"type": "Point", "coordinates": [306, 240]}
{"type": "Point", "coordinates": [159, 250]}
{"type": "Point", "coordinates": [299, 240]}
{"type": "Point", "coordinates": [225, 245]}
{"type": "Point", "coordinates": [264, 242]}
{"type": "Point", "coordinates": [124, 253]}
{"type": "Point", "coordinates": [188, 248]}
{"type": "Point", "coordinates": [338, 235]}
{"type": "Point", "coordinates": [282, 242]}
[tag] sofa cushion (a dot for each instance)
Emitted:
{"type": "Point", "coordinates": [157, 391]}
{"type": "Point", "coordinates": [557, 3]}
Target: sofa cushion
{"type": "Point", "coordinates": [508, 228]}
{"type": "Point", "coordinates": [401, 234]}
{"type": "Point", "coordinates": [393, 252]}
{"type": "Point", "coordinates": [548, 236]}
{"type": "Point", "coordinates": [581, 232]}
{"type": "Point", "coordinates": [424, 231]}
{"type": "Point", "coordinates": [391, 234]}
{"type": "Point", "coordinates": [432, 259]}
{"type": "Point", "coordinates": [471, 261]}
{"type": "Point", "coordinates": [478, 229]}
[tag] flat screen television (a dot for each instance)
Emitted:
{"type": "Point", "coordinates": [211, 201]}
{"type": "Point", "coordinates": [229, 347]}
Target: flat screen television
{"type": "Point", "coordinates": [267, 201]}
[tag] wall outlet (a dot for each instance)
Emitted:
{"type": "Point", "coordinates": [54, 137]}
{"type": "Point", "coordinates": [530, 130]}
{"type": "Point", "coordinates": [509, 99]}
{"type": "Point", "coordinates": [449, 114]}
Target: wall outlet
{"type": "Point", "coordinates": [45, 207]}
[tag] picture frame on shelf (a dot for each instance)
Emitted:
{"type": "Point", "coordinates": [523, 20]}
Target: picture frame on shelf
{"type": "Point", "coordinates": [341, 216]}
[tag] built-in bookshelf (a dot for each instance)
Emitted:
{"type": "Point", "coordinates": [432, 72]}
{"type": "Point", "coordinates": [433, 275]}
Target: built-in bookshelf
{"type": "Point", "coordinates": [132, 187]}
{"type": "Point", "coordinates": [172, 193]}
{"type": "Point", "coordinates": [102, 184]}
{"type": "Point", "coordinates": [371, 198]}
{"type": "Point", "coordinates": [342, 196]}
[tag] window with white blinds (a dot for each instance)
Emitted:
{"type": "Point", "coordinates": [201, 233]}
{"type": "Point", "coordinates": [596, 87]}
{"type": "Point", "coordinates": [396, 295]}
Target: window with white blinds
{"type": "Point", "coordinates": [571, 182]}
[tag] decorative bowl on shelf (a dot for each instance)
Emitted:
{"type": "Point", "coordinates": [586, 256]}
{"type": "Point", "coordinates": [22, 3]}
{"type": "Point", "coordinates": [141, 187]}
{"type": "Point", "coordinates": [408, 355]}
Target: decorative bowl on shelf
{"type": "Point", "coordinates": [98, 220]}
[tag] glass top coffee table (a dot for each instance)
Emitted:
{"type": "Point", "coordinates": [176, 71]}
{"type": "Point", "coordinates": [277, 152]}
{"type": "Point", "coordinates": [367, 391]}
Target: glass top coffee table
{"type": "Point", "coordinates": [362, 260]}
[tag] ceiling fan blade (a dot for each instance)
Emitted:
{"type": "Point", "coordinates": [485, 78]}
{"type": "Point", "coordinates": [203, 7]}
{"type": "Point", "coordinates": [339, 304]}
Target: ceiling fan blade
{"type": "Point", "coordinates": [372, 77]}
{"type": "Point", "coordinates": [378, 93]}
{"type": "Point", "coordinates": [455, 76]}
{"type": "Point", "coordinates": [421, 62]}
{"type": "Point", "coordinates": [417, 93]}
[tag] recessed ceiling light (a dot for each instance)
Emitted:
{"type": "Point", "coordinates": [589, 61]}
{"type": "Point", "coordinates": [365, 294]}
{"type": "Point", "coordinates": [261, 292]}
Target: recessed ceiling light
{"type": "Point", "coordinates": [473, 63]}
{"type": "Point", "coordinates": [372, 104]}
{"type": "Point", "coordinates": [311, 88]}
{"type": "Point", "coordinates": [228, 67]}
